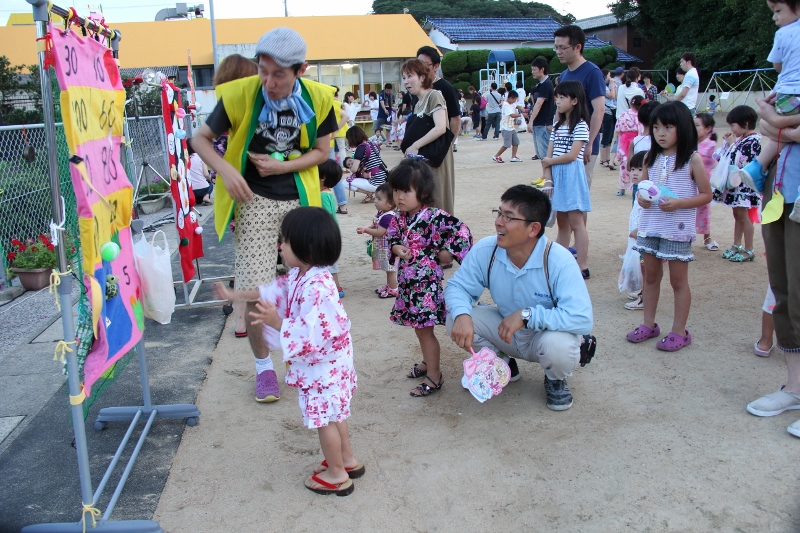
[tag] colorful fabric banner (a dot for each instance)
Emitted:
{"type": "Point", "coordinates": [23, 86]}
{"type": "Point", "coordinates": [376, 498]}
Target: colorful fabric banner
{"type": "Point", "coordinates": [190, 242]}
{"type": "Point", "coordinates": [92, 106]}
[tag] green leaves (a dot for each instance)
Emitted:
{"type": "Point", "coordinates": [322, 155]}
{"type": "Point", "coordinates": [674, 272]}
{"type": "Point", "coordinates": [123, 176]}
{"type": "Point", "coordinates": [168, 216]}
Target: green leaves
{"type": "Point", "coordinates": [420, 9]}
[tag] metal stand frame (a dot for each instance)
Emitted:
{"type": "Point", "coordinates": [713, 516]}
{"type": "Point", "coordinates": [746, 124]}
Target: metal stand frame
{"type": "Point", "coordinates": [757, 75]}
{"type": "Point", "coordinates": [89, 498]}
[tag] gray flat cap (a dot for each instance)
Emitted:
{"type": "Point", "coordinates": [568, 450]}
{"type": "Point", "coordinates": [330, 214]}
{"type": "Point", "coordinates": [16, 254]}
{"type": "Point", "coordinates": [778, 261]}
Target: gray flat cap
{"type": "Point", "coordinates": [284, 45]}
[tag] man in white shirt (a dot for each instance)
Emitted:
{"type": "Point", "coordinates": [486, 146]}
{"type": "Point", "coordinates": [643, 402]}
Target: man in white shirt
{"type": "Point", "coordinates": [690, 85]}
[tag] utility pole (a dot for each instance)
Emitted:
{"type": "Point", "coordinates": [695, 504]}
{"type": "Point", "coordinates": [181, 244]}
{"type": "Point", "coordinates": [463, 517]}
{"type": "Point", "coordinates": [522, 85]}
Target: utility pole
{"type": "Point", "coordinates": [285, 9]}
{"type": "Point", "coordinates": [213, 35]}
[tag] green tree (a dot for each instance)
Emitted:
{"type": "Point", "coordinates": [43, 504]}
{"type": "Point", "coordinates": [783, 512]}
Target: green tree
{"type": "Point", "coordinates": [725, 34]}
{"type": "Point", "coordinates": [420, 9]}
{"type": "Point", "coordinates": [19, 84]}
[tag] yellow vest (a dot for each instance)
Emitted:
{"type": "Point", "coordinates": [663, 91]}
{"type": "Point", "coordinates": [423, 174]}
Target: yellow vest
{"type": "Point", "coordinates": [243, 101]}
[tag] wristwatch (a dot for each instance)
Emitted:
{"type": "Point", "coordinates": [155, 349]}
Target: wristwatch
{"type": "Point", "coordinates": [526, 315]}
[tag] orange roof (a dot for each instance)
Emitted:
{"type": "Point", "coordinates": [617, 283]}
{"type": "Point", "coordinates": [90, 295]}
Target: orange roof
{"type": "Point", "coordinates": [338, 38]}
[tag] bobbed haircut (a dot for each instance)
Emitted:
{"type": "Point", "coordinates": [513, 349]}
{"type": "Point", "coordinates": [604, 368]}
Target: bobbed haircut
{"type": "Point", "coordinates": [792, 4]}
{"type": "Point", "coordinates": [418, 67]}
{"type": "Point", "coordinates": [540, 63]}
{"type": "Point", "coordinates": [386, 190]}
{"type": "Point", "coordinates": [646, 111]}
{"type": "Point", "coordinates": [313, 235]}
{"type": "Point", "coordinates": [744, 116]}
{"type": "Point", "coordinates": [678, 115]}
{"type": "Point", "coordinates": [532, 204]}
{"type": "Point", "coordinates": [574, 34]}
{"type": "Point", "coordinates": [330, 173]}
{"type": "Point", "coordinates": [431, 52]}
{"type": "Point", "coordinates": [355, 136]}
{"type": "Point", "coordinates": [234, 67]}
{"type": "Point", "coordinates": [513, 94]}
{"type": "Point", "coordinates": [417, 175]}
{"type": "Point", "coordinates": [574, 91]}
{"type": "Point", "coordinates": [637, 161]}
{"type": "Point", "coordinates": [347, 96]}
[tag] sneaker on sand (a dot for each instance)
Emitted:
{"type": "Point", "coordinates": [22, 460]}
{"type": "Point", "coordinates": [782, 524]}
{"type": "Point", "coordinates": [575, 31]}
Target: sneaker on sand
{"type": "Point", "coordinates": [497, 159]}
{"type": "Point", "coordinates": [559, 398]}
{"type": "Point", "coordinates": [515, 160]}
{"type": "Point", "coordinates": [267, 388]}
{"type": "Point", "coordinates": [538, 183]}
{"type": "Point", "coordinates": [774, 404]}
{"type": "Point", "coordinates": [794, 429]}
{"type": "Point", "coordinates": [634, 295]}
{"type": "Point", "coordinates": [638, 305]}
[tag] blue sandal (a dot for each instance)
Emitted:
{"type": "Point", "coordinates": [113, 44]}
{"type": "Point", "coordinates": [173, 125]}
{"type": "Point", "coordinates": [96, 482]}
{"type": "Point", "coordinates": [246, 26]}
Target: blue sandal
{"type": "Point", "coordinates": [733, 250]}
{"type": "Point", "coordinates": [744, 255]}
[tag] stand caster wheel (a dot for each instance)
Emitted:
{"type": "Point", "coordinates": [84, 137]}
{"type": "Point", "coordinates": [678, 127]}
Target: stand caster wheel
{"type": "Point", "coordinates": [100, 426]}
{"type": "Point", "coordinates": [230, 284]}
{"type": "Point", "coordinates": [191, 421]}
{"type": "Point", "coordinates": [227, 309]}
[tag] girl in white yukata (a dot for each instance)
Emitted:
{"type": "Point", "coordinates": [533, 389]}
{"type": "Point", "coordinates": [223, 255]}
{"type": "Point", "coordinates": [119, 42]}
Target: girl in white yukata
{"type": "Point", "coordinates": [304, 318]}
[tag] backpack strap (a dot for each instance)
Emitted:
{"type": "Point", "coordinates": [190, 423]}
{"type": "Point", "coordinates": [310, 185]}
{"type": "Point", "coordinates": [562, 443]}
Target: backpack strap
{"type": "Point", "coordinates": [545, 264]}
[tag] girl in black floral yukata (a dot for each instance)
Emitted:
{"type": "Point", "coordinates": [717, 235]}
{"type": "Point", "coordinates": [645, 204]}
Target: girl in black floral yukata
{"type": "Point", "coordinates": [424, 238]}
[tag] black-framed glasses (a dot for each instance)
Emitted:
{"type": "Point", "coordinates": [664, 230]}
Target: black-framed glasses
{"type": "Point", "coordinates": [499, 214]}
{"type": "Point", "coordinates": [562, 47]}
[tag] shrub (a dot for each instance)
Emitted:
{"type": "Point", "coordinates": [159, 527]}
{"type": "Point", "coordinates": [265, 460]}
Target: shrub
{"type": "Point", "coordinates": [476, 59]}
{"type": "Point", "coordinates": [595, 55]}
{"type": "Point", "coordinates": [463, 86]}
{"type": "Point", "coordinates": [464, 76]}
{"type": "Point", "coordinates": [454, 63]}
{"type": "Point", "coordinates": [555, 66]}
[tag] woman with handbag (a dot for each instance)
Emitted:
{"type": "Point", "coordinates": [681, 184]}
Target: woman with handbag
{"type": "Point", "coordinates": [427, 133]}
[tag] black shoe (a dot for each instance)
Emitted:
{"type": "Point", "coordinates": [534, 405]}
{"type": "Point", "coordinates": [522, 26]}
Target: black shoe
{"type": "Point", "coordinates": [559, 398]}
{"type": "Point", "coordinates": [585, 273]}
{"type": "Point", "coordinates": [535, 158]}
{"type": "Point", "coordinates": [512, 364]}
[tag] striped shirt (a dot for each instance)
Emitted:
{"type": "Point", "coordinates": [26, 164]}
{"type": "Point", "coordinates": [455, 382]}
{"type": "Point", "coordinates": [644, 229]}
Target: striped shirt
{"type": "Point", "coordinates": [371, 168]}
{"type": "Point", "coordinates": [678, 225]}
{"type": "Point", "coordinates": [563, 140]}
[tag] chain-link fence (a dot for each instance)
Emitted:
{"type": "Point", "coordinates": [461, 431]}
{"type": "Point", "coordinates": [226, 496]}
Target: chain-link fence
{"type": "Point", "coordinates": [25, 205]}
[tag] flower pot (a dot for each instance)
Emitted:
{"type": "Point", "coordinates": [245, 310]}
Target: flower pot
{"type": "Point", "coordinates": [33, 279]}
{"type": "Point", "coordinates": [149, 207]}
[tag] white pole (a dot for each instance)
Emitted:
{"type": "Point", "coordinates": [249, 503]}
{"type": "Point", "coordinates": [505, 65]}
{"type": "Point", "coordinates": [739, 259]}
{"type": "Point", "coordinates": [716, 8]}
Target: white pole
{"type": "Point", "coordinates": [213, 35]}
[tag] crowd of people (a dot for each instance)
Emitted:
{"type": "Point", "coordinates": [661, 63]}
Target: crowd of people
{"type": "Point", "coordinates": [541, 307]}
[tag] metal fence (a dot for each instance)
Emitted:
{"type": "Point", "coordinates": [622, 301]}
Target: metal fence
{"type": "Point", "coordinates": [25, 205]}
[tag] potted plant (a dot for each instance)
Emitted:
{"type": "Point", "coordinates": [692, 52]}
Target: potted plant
{"type": "Point", "coordinates": [154, 198]}
{"type": "Point", "coordinates": [32, 261]}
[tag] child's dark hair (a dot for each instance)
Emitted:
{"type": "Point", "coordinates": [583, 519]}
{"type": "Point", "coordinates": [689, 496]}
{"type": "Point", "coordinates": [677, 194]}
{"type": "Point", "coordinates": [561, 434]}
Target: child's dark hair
{"type": "Point", "coordinates": [744, 116]}
{"type": "Point", "coordinates": [345, 161]}
{"type": "Point", "coordinates": [712, 98]}
{"type": "Point", "coordinates": [313, 235]}
{"type": "Point", "coordinates": [532, 204]}
{"type": "Point", "coordinates": [574, 91]}
{"type": "Point", "coordinates": [189, 146]}
{"type": "Point", "coordinates": [386, 190]}
{"type": "Point", "coordinates": [792, 4]}
{"type": "Point", "coordinates": [355, 136]}
{"type": "Point", "coordinates": [513, 94]}
{"type": "Point", "coordinates": [414, 174]}
{"type": "Point", "coordinates": [646, 111]}
{"type": "Point", "coordinates": [636, 102]}
{"type": "Point", "coordinates": [707, 121]}
{"type": "Point", "coordinates": [637, 161]}
{"type": "Point", "coordinates": [678, 115]}
{"type": "Point", "coordinates": [330, 173]}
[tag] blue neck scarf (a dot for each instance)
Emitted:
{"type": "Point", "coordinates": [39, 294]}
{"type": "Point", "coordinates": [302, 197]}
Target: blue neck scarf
{"type": "Point", "coordinates": [295, 102]}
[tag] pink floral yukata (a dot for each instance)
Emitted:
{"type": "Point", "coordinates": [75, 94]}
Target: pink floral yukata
{"type": "Point", "coordinates": [628, 127]}
{"type": "Point", "coordinates": [316, 344]}
{"type": "Point", "coordinates": [703, 218]}
{"type": "Point", "coordinates": [420, 299]}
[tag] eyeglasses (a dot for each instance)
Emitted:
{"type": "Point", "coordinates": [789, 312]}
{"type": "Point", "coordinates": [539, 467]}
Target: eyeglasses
{"type": "Point", "coordinates": [562, 47]}
{"type": "Point", "coordinates": [499, 214]}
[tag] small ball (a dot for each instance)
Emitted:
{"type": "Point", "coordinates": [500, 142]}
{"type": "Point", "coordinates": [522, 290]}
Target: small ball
{"type": "Point", "coordinates": [180, 134]}
{"type": "Point", "coordinates": [180, 112]}
{"type": "Point", "coordinates": [198, 230]}
{"type": "Point", "coordinates": [294, 154]}
{"type": "Point", "coordinates": [109, 251]}
{"type": "Point", "coordinates": [277, 156]}
{"type": "Point", "coordinates": [649, 190]}
{"type": "Point", "coordinates": [185, 241]}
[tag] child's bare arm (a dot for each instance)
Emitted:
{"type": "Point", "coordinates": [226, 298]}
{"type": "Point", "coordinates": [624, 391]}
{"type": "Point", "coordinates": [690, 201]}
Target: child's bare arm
{"type": "Point", "coordinates": [375, 232]}
{"type": "Point", "coordinates": [224, 293]}
{"type": "Point", "coordinates": [266, 314]}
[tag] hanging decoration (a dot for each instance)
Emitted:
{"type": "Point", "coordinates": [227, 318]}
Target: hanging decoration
{"type": "Point", "coordinates": [92, 102]}
{"type": "Point", "coordinates": [190, 242]}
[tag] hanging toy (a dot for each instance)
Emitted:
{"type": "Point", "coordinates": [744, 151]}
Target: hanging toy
{"type": "Point", "coordinates": [649, 190]}
{"type": "Point", "coordinates": [109, 251]}
{"type": "Point", "coordinates": [112, 286]}
{"type": "Point", "coordinates": [180, 134]}
{"type": "Point", "coordinates": [485, 374]}
{"type": "Point", "coordinates": [198, 230]}
{"type": "Point", "coordinates": [180, 113]}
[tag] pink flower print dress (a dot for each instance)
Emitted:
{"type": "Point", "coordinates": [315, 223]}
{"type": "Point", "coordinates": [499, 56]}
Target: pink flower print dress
{"type": "Point", "coordinates": [420, 298]}
{"type": "Point", "coordinates": [703, 216]}
{"type": "Point", "coordinates": [628, 127]}
{"type": "Point", "coordinates": [315, 341]}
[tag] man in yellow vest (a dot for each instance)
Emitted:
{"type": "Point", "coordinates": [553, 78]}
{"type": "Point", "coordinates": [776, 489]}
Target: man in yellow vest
{"type": "Point", "coordinates": [279, 129]}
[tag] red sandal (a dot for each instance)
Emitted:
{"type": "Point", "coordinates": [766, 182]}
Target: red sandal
{"type": "Point", "coordinates": [340, 489]}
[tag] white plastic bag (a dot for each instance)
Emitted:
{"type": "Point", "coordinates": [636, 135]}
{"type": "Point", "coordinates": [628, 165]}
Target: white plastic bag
{"type": "Point", "coordinates": [719, 177]}
{"type": "Point", "coordinates": [155, 273]}
{"type": "Point", "coordinates": [630, 277]}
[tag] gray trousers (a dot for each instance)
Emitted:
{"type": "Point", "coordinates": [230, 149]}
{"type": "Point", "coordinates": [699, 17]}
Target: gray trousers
{"type": "Point", "coordinates": [558, 352]}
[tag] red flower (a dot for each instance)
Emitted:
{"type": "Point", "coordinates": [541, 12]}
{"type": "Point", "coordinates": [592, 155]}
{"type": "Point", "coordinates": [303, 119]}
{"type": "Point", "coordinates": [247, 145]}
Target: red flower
{"type": "Point", "coordinates": [16, 242]}
{"type": "Point", "coordinates": [22, 247]}
{"type": "Point", "coordinates": [11, 256]}
{"type": "Point", "coordinates": [50, 247]}
{"type": "Point", "coordinates": [34, 249]}
{"type": "Point", "coordinates": [44, 239]}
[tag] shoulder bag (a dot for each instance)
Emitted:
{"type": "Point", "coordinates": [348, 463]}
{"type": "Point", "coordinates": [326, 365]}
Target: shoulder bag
{"type": "Point", "coordinates": [417, 127]}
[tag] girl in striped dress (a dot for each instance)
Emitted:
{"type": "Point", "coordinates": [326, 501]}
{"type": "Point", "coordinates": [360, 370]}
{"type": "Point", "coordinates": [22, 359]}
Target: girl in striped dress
{"type": "Point", "coordinates": [667, 227]}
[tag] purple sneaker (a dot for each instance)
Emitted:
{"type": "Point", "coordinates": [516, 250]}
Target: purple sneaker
{"type": "Point", "coordinates": [674, 342]}
{"type": "Point", "coordinates": [267, 389]}
{"type": "Point", "coordinates": [642, 333]}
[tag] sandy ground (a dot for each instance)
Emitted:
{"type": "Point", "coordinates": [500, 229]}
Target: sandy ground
{"type": "Point", "coordinates": [654, 441]}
